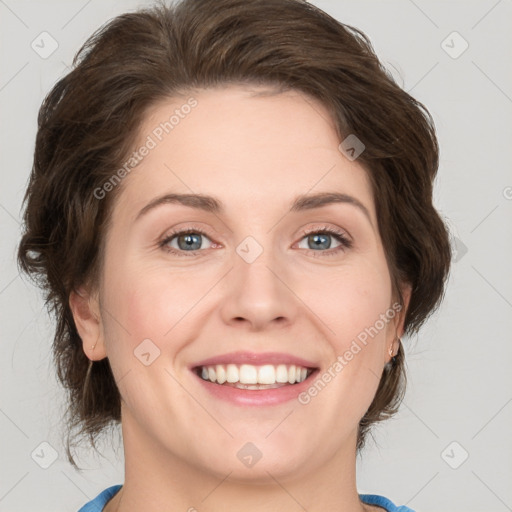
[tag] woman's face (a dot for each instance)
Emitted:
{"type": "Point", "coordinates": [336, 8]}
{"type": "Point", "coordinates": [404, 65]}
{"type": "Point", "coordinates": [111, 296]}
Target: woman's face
{"type": "Point", "coordinates": [255, 287]}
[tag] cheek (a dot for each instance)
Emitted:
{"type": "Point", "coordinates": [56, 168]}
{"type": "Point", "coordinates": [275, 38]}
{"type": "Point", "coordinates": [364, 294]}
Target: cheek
{"type": "Point", "coordinates": [352, 300]}
{"type": "Point", "coordinates": [145, 316]}
{"type": "Point", "coordinates": [152, 303]}
{"type": "Point", "coordinates": [352, 309]}
{"type": "Point", "coordinates": [355, 311]}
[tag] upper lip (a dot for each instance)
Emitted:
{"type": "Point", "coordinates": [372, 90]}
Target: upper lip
{"type": "Point", "coordinates": [255, 359]}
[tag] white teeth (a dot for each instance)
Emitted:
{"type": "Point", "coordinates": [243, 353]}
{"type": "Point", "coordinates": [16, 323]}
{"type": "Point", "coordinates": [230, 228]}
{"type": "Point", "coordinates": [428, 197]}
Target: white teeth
{"type": "Point", "coordinates": [232, 374]}
{"type": "Point", "coordinates": [291, 374]}
{"type": "Point", "coordinates": [267, 374]}
{"type": "Point", "coordinates": [282, 373]}
{"type": "Point", "coordinates": [221, 374]}
{"type": "Point", "coordinates": [248, 374]}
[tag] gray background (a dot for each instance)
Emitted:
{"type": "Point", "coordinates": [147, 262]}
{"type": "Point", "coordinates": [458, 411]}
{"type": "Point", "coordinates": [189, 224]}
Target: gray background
{"type": "Point", "coordinates": [458, 402]}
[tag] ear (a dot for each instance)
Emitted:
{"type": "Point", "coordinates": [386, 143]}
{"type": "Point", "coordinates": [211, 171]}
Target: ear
{"type": "Point", "coordinates": [396, 328]}
{"type": "Point", "coordinates": [86, 313]}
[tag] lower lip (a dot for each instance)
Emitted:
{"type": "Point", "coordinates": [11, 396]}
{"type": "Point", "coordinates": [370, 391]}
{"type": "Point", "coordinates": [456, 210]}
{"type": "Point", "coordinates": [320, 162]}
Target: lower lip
{"type": "Point", "coordinates": [252, 397]}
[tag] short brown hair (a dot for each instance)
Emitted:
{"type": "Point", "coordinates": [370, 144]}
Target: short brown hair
{"type": "Point", "coordinates": [88, 123]}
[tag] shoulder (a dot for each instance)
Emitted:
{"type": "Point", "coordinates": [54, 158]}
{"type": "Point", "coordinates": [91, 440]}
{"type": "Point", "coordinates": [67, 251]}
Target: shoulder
{"type": "Point", "coordinates": [97, 504]}
{"type": "Point", "coordinates": [385, 503]}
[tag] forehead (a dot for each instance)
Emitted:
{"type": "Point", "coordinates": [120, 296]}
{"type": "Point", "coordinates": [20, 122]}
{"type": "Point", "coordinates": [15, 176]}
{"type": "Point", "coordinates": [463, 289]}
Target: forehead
{"type": "Point", "coordinates": [246, 146]}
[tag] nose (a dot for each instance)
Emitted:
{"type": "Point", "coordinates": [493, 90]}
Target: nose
{"type": "Point", "coordinates": [258, 295]}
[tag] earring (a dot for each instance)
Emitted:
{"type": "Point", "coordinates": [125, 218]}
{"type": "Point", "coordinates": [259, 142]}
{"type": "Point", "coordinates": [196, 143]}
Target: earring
{"type": "Point", "coordinates": [391, 350]}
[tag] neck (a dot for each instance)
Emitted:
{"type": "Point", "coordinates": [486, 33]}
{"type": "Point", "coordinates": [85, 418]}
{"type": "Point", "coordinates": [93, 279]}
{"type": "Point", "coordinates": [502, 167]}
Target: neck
{"type": "Point", "coordinates": [157, 480]}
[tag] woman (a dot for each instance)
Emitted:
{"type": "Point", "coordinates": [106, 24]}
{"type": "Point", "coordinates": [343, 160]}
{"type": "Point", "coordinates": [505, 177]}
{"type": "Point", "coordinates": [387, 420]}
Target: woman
{"type": "Point", "coordinates": [231, 212]}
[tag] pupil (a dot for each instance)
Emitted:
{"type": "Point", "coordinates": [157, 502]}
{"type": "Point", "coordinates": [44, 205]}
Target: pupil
{"type": "Point", "coordinates": [317, 241]}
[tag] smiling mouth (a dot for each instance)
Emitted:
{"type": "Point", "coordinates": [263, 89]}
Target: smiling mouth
{"type": "Point", "coordinates": [252, 377]}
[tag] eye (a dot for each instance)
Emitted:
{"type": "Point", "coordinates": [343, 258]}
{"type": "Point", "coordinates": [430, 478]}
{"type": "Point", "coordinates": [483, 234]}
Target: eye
{"type": "Point", "coordinates": [319, 239]}
{"type": "Point", "coordinates": [187, 240]}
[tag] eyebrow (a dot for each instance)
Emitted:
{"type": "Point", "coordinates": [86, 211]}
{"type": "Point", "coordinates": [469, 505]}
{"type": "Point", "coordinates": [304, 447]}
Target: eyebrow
{"type": "Point", "coordinates": [211, 204]}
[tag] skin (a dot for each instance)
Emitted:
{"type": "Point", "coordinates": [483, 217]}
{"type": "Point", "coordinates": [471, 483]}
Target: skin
{"type": "Point", "coordinates": [255, 153]}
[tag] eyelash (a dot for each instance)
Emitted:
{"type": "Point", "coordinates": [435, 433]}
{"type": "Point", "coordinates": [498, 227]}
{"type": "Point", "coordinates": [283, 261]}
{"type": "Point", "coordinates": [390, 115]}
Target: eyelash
{"type": "Point", "coordinates": [345, 243]}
